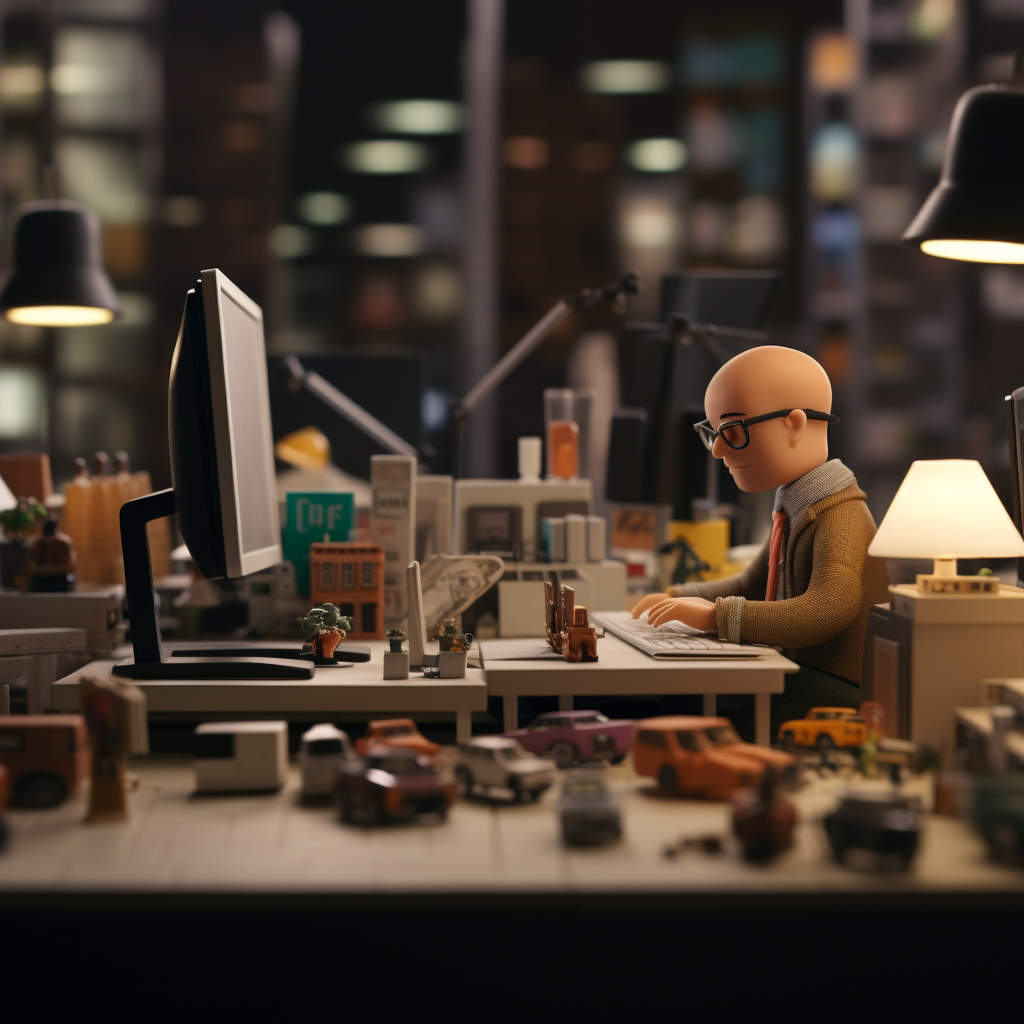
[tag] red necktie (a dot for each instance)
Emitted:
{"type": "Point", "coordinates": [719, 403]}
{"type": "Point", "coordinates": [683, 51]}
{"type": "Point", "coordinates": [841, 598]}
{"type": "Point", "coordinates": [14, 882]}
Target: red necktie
{"type": "Point", "coordinates": [775, 553]}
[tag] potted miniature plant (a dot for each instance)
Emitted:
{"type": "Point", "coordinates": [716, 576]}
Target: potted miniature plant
{"type": "Point", "coordinates": [324, 627]}
{"type": "Point", "coordinates": [21, 525]}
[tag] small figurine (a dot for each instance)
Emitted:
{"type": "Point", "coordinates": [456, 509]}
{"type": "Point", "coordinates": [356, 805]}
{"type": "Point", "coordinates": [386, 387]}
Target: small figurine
{"type": "Point", "coordinates": [115, 715]}
{"type": "Point", "coordinates": [390, 783]}
{"type": "Point", "coordinates": [324, 627]}
{"type": "Point", "coordinates": [496, 764]}
{"type": "Point", "coordinates": [396, 732]}
{"type": "Point", "coordinates": [878, 828]}
{"type": "Point", "coordinates": [20, 524]}
{"type": "Point", "coordinates": [451, 662]}
{"type": "Point", "coordinates": [53, 560]}
{"type": "Point", "coordinates": [589, 810]}
{"type": "Point", "coordinates": [396, 660]}
{"type": "Point", "coordinates": [323, 750]}
{"type": "Point", "coordinates": [241, 757]}
{"type": "Point", "coordinates": [763, 820]}
{"type": "Point", "coordinates": [709, 844]}
{"type": "Point", "coordinates": [572, 736]}
{"type": "Point", "coordinates": [569, 631]}
{"type": "Point", "coordinates": [703, 757]}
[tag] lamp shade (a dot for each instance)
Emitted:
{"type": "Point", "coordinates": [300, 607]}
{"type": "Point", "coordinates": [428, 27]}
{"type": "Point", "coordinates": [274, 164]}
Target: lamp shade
{"type": "Point", "coordinates": [976, 212]}
{"type": "Point", "coordinates": [946, 508]}
{"type": "Point", "coordinates": [58, 278]}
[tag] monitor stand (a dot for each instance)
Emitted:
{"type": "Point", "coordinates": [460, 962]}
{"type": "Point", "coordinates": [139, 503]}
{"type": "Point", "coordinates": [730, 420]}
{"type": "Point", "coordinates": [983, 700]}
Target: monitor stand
{"type": "Point", "coordinates": [151, 660]}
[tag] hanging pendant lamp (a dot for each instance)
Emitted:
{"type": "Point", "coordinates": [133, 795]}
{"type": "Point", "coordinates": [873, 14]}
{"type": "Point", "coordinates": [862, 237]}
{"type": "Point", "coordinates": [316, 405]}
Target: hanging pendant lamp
{"type": "Point", "coordinates": [58, 278]}
{"type": "Point", "coordinates": [976, 212]}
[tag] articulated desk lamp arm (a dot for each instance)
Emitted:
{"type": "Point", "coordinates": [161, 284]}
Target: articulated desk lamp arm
{"type": "Point", "coordinates": [613, 294]}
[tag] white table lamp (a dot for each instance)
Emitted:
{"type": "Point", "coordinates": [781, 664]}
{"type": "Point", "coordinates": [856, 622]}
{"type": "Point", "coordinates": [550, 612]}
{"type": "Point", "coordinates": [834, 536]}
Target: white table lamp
{"type": "Point", "coordinates": [946, 509]}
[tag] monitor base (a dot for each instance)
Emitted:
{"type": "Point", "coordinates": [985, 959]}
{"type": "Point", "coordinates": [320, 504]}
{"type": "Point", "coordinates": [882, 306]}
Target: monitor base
{"type": "Point", "coordinates": [343, 653]}
{"type": "Point", "coordinates": [215, 668]}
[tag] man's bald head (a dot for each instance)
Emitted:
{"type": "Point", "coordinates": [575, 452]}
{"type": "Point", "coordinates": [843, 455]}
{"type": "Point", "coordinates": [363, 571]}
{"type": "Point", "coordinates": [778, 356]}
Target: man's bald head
{"type": "Point", "coordinates": [763, 380]}
{"type": "Point", "coordinates": [771, 377]}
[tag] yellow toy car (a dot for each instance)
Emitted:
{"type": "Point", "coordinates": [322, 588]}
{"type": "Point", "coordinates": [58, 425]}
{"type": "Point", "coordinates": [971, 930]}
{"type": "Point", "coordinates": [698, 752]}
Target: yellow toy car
{"type": "Point", "coordinates": [825, 728]}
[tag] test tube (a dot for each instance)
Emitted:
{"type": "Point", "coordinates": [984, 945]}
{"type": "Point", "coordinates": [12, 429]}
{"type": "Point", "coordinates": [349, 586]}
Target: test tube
{"type": "Point", "coordinates": [563, 433]}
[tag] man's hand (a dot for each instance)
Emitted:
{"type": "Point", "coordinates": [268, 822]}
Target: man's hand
{"type": "Point", "coordinates": [694, 611]}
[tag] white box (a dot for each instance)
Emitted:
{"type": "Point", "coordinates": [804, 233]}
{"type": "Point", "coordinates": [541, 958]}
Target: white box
{"type": "Point", "coordinates": [597, 539]}
{"type": "Point", "coordinates": [393, 527]}
{"type": "Point", "coordinates": [553, 538]}
{"type": "Point", "coordinates": [452, 664]}
{"type": "Point", "coordinates": [241, 756]}
{"type": "Point", "coordinates": [396, 664]}
{"type": "Point", "coordinates": [575, 538]}
{"type": "Point", "coordinates": [433, 516]}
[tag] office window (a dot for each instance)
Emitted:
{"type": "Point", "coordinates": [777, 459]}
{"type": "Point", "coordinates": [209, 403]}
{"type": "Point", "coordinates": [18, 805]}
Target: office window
{"type": "Point", "coordinates": [326, 574]}
{"type": "Point", "coordinates": [369, 617]}
{"type": "Point", "coordinates": [348, 576]}
{"type": "Point", "coordinates": [367, 575]}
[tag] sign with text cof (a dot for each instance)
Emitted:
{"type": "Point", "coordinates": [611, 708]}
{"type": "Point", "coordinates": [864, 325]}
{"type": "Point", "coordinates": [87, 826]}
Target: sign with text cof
{"type": "Point", "coordinates": [313, 517]}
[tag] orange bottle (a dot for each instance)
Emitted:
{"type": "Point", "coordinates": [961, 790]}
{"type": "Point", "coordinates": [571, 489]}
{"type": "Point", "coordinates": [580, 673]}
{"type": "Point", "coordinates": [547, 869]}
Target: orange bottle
{"type": "Point", "coordinates": [76, 519]}
{"type": "Point", "coordinates": [563, 449]}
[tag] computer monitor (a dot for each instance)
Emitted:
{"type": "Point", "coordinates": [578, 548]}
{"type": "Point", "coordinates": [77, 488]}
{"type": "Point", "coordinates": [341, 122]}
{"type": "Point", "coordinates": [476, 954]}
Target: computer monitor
{"type": "Point", "coordinates": [726, 298]}
{"type": "Point", "coordinates": [222, 471]}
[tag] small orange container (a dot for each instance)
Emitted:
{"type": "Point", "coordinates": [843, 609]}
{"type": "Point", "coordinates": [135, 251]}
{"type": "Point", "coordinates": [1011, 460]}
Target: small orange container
{"type": "Point", "coordinates": [563, 449]}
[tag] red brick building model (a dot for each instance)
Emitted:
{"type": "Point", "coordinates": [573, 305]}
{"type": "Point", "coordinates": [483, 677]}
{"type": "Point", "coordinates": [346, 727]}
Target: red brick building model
{"type": "Point", "coordinates": [352, 577]}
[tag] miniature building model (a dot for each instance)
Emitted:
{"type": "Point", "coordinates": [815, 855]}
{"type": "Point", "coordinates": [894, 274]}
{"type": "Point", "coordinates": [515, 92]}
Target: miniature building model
{"type": "Point", "coordinates": [352, 577]}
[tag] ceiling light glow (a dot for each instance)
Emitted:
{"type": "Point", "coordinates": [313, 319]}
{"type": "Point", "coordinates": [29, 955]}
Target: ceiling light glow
{"type": "Point", "coordinates": [59, 316]}
{"type": "Point", "coordinates": [417, 117]}
{"type": "Point", "coordinates": [324, 208]}
{"type": "Point", "coordinates": [974, 251]}
{"type": "Point", "coordinates": [625, 76]}
{"type": "Point", "coordinates": [390, 240]}
{"type": "Point", "coordinates": [385, 156]}
{"type": "Point", "coordinates": [660, 156]}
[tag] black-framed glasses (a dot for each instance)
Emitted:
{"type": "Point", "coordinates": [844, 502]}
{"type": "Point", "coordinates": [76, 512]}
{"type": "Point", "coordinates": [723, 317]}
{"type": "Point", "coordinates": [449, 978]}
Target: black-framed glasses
{"type": "Point", "coordinates": [735, 434]}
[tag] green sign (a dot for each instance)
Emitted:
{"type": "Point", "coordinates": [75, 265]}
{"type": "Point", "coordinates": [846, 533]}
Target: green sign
{"type": "Point", "coordinates": [313, 517]}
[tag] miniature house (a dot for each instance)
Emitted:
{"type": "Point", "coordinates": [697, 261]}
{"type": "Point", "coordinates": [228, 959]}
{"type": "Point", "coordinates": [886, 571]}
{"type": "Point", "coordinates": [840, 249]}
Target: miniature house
{"type": "Point", "coordinates": [352, 577]}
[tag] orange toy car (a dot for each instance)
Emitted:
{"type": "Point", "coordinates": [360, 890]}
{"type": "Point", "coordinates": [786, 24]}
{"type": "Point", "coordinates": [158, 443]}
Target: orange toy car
{"type": "Point", "coordinates": [46, 757]}
{"type": "Point", "coordinates": [695, 756]}
{"type": "Point", "coordinates": [396, 732]}
{"type": "Point", "coordinates": [825, 728]}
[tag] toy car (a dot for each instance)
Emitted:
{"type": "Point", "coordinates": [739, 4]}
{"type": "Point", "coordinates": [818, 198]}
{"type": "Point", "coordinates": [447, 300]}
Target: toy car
{"type": "Point", "coordinates": [46, 757]}
{"type": "Point", "coordinates": [496, 762]}
{"type": "Point", "coordinates": [825, 728]}
{"type": "Point", "coordinates": [392, 782]}
{"type": "Point", "coordinates": [241, 757]}
{"type": "Point", "coordinates": [589, 811]}
{"type": "Point", "coordinates": [999, 814]}
{"type": "Point", "coordinates": [570, 736]}
{"type": "Point", "coordinates": [763, 820]}
{"type": "Point", "coordinates": [882, 824]}
{"type": "Point", "coordinates": [321, 753]}
{"type": "Point", "coordinates": [396, 732]}
{"type": "Point", "coordinates": [695, 756]}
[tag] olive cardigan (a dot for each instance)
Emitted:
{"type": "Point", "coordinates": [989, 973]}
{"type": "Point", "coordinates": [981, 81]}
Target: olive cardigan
{"type": "Point", "coordinates": [830, 583]}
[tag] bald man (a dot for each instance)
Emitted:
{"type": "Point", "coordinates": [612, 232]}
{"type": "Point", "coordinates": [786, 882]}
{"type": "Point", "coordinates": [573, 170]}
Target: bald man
{"type": "Point", "coordinates": [810, 588]}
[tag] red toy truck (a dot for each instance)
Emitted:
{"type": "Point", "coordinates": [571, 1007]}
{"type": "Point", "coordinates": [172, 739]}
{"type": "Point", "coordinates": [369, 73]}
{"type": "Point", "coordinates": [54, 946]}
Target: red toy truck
{"type": "Point", "coordinates": [47, 756]}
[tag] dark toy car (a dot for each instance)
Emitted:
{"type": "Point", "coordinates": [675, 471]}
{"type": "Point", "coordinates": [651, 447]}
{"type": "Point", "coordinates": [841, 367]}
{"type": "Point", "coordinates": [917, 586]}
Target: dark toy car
{"type": "Point", "coordinates": [885, 826]}
{"type": "Point", "coordinates": [588, 809]}
{"type": "Point", "coordinates": [390, 783]}
{"type": "Point", "coordinates": [999, 815]}
{"type": "Point", "coordinates": [569, 736]}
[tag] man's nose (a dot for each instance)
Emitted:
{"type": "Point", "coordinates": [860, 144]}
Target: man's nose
{"type": "Point", "coordinates": [719, 448]}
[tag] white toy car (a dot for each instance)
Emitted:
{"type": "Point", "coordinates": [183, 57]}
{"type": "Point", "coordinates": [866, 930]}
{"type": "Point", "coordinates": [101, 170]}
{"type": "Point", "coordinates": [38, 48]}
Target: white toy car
{"type": "Point", "coordinates": [236, 757]}
{"type": "Point", "coordinates": [324, 749]}
{"type": "Point", "coordinates": [496, 762]}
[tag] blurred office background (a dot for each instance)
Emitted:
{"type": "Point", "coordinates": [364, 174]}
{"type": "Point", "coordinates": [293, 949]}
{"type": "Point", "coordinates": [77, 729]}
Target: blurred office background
{"type": "Point", "coordinates": [427, 179]}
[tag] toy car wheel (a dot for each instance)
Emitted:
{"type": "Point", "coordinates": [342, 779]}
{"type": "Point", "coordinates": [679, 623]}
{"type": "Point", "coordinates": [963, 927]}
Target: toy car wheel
{"type": "Point", "coordinates": [41, 789]}
{"type": "Point", "coordinates": [789, 741]}
{"type": "Point", "coordinates": [563, 753]}
{"type": "Point", "coordinates": [373, 811]}
{"type": "Point", "coordinates": [1004, 841]}
{"type": "Point", "coordinates": [463, 782]}
{"type": "Point", "coordinates": [619, 758]}
{"type": "Point", "coordinates": [668, 777]}
{"type": "Point", "coordinates": [442, 812]}
{"type": "Point", "coordinates": [344, 805]}
{"type": "Point", "coordinates": [825, 742]}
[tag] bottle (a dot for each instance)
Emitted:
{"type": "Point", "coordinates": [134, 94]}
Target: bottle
{"type": "Point", "coordinates": [562, 434]}
{"type": "Point", "coordinates": [76, 517]}
{"type": "Point", "coordinates": [104, 531]}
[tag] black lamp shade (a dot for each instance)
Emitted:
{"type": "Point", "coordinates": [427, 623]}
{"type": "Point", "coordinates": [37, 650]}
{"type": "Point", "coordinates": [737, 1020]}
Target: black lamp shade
{"type": "Point", "coordinates": [980, 197]}
{"type": "Point", "coordinates": [58, 266]}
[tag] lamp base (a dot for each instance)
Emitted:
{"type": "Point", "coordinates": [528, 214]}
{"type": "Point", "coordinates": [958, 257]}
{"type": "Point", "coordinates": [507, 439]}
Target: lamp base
{"type": "Point", "coordinates": [962, 585]}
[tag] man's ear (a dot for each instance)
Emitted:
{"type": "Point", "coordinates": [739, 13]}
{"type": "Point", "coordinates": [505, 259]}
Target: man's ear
{"type": "Point", "coordinates": [796, 424]}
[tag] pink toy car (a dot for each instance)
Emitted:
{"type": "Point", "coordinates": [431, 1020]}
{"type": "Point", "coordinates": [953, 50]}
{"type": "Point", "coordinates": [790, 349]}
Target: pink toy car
{"type": "Point", "coordinates": [570, 736]}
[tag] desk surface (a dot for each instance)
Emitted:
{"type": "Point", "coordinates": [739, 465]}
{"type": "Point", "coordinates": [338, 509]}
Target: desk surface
{"type": "Point", "coordinates": [359, 688]}
{"type": "Point", "coordinates": [272, 845]}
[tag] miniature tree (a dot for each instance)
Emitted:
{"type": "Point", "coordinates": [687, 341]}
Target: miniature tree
{"type": "Point", "coordinates": [23, 521]}
{"type": "Point", "coordinates": [324, 627]}
{"type": "Point", "coordinates": [396, 638]}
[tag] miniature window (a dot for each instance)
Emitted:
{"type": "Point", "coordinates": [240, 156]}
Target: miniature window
{"type": "Point", "coordinates": [368, 616]}
{"type": "Point", "coordinates": [319, 748]}
{"type": "Point", "coordinates": [589, 719]}
{"type": "Point", "coordinates": [12, 742]}
{"type": "Point", "coordinates": [650, 738]}
{"type": "Point", "coordinates": [397, 730]}
{"type": "Point", "coordinates": [368, 574]}
{"type": "Point", "coordinates": [348, 576]}
{"type": "Point", "coordinates": [327, 574]}
{"type": "Point", "coordinates": [691, 740]}
{"type": "Point", "coordinates": [215, 744]}
{"type": "Point", "coordinates": [510, 753]}
{"type": "Point", "coordinates": [722, 735]}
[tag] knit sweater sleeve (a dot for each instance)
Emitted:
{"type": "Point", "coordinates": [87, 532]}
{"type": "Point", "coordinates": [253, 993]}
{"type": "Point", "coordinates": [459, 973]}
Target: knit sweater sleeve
{"type": "Point", "coordinates": [828, 606]}
{"type": "Point", "coordinates": [749, 583]}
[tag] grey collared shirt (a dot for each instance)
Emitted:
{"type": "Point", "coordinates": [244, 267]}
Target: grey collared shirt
{"type": "Point", "coordinates": [829, 478]}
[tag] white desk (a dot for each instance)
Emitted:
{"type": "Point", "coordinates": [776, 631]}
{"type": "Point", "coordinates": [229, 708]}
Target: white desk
{"type": "Point", "coordinates": [360, 688]}
{"type": "Point", "coordinates": [622, 669]}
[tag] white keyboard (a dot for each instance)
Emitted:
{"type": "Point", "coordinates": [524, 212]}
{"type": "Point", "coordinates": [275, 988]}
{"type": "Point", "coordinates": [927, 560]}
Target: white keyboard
{"type": "Point", "coordinates": [673, 639]}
